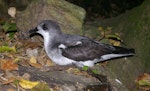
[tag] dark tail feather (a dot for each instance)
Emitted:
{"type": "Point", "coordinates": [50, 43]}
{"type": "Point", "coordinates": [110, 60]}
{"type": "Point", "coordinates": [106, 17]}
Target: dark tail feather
{"type": "Point", "coordinates": [121, 50]}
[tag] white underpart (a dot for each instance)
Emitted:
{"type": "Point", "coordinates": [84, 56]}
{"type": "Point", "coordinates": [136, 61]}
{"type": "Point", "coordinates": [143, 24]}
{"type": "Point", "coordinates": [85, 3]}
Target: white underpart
{"type": "Point", "coordinates": [56, 57]}
{"type": "Point", "coordinates": [78, 42]}
{"type": "Point", "coordinates": [109, 56]}
{"type": "Point", "coordinates": [62, 46]}
{"type": "Point", "coordinates": [89, 63]}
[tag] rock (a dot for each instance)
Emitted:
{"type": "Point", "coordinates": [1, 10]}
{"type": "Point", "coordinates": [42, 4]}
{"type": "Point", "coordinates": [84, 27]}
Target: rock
{"type": "Point", "coordinates": [69, 16]}
{"type": "Point", "coordinates": [3, 9]}
{"type": "Point", "coordinates": [67, 81]}
{"type": "Point", "coordinates": [134, 28]}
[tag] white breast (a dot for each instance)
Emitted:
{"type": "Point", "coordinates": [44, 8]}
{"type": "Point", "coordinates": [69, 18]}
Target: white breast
{"type": "Point", "coordinates": [57, 58]}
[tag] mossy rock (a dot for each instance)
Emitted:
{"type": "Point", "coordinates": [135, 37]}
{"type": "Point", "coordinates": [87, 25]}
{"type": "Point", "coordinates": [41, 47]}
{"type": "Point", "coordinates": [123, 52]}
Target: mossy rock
{"type": "Point", "coordinates": [134, 27]}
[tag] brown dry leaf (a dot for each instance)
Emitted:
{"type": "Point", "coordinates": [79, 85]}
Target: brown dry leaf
{"type": "Point", "coordinates": [10, 80]}
{"type": "Point", "coordinates": [104, 64]}
{"type": "Point", "coordinates": [145, 76]}
{"type": "Point", "coordinates": [37, 65]}
{"type": "Point", "coordinates": [29, 44]}
{"type": "Point", "coordinates": [143, 81]}
{"type": "Point", "coordinates": [76, 71]}
{"type": "Point", "coordinates": [10, 89]}
{"type": "Point", "coordinates": [8, 65]}
{"type": "Point", "coordinates": [33, 62]}
{"type": "Point", "coordinates": [49, 63]}
{"type": "Point", "coordinates": [10, 55]}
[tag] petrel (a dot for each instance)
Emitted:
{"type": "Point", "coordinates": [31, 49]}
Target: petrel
{"type": "Point", "coordinates": [67, 49]}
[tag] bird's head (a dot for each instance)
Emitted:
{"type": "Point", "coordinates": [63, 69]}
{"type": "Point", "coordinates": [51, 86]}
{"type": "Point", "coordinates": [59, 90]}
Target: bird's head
{"type": "Point", "coordinates": [46, 27]}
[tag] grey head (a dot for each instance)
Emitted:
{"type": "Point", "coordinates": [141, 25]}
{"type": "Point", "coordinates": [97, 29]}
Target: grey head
{"type": "Point", "coordinates": [46, 27]}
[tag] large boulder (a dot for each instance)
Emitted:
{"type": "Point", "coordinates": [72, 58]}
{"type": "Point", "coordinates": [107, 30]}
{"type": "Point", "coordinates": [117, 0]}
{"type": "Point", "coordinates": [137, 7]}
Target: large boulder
{"type": "Point", "coordinates": [69, 16]}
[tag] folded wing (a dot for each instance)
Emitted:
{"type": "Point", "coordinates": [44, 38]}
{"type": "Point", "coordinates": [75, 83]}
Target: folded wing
{"type": "Point", "coordinates": [86, 50]}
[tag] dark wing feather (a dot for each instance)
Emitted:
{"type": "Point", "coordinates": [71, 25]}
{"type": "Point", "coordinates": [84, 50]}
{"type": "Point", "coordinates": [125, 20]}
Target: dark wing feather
{"type": "Point", "coordinates": [88, 50]}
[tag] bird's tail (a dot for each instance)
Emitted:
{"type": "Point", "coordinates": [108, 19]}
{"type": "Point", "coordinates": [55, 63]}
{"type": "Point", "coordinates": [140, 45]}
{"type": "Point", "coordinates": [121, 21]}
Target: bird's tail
{"type": "Point", "coordinates": [121, 50]}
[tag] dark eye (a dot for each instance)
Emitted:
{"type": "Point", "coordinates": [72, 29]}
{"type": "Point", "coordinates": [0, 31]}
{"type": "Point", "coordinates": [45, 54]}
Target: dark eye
{"type": "Point", "coordinates": [44, 27]}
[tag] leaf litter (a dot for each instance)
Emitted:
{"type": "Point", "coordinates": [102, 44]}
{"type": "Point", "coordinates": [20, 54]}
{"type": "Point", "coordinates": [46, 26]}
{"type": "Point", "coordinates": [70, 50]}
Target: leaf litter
{"type": "Point", "coordinates": [14, 53]}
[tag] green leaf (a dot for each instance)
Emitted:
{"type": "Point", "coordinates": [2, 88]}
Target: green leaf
{"type": "Point", "coordinates": [7, 49]}
{"type": "Point", "coordinates": [16, 82]}
{"type": "Point", "coordinates": [6, 26]}
{"type": "Point", "coordinates": [12, 28]}
{"type": "Point", "coordinates": [144, 82]}
{"type": "Point", "coordinates": [85, 68]}
{"type": "Point", "coordinates": [9, 27]}
{"type": "Point", "coordinates": [11, 35]}
{"type": "Point", "coordinates": [95, 71]}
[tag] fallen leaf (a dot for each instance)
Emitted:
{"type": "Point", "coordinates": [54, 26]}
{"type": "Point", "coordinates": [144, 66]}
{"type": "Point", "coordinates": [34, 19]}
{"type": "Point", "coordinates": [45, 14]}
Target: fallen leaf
{"type": "Point", "coordinates": [8, 65]}
{"type": "Point", "coordinates": [143, 81]}
{"type": "Point", "coordinates": [10, 80]}
{"type": "Point", "coordinates": [33, 60]}
{"type": "Point", "coordinates": [41, 87]}
{"type": "Point", "coordinates": [26, 84]}
{"type": "Point", "coordinates": [114, 42]}
{"type": "Point", "coordinates": [85, 68]}
{"type": "Point", "coordinates": [49, 63]}
{"type": "Point", "coordinates": [145, 76]}
{"type": "Point", "coordinates": [104, 64]}
{"type": "Point", "coordinates": [76, 71]}
{"type": "Point", "coordinates": [37, 65]}
{"type": "Point", "coordinates": [10, 89]}
{"type": "Point", "coordinates": [7, 49]}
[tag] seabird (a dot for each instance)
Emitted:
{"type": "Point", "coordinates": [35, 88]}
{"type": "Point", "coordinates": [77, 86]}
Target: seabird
{"type": "Point", "coordinates": [66, 49]}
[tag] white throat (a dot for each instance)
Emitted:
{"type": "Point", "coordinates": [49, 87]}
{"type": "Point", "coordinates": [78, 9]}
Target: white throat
{"type": "Point", "coordinates": [47, 42]}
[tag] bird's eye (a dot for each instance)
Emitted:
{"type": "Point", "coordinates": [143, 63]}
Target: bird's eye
{"type": "Point", "coordinates": [44, 27]}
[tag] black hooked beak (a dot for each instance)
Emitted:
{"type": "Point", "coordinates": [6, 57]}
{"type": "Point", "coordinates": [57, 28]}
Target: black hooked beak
{"type": "Point", "coordinates": [32, 32]}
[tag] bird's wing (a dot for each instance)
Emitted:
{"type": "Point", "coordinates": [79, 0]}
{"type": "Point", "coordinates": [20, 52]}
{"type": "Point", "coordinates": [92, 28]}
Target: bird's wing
{"type": "Point", "coordinates": [72, 40]}
{"type": "Point", "coordinates": [86, 50]}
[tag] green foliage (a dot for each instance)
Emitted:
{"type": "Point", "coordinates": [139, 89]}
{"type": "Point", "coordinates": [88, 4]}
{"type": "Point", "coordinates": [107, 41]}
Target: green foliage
{"type": "Point", "coordinates": [86, 68]}
{"type": "Point", "coordinates": [144, 82]}
{"type": "Point", "coordinates": [16, 82]}
{"type": "Point", "coordinates": [9, 28]}
{"type": "Point", "coordinates": [95, 71]}
{"type": "Point", "coordinates": [107, 37]}
{"type": "Point", "coordinates": [7, 49]}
